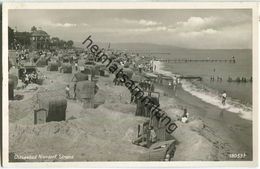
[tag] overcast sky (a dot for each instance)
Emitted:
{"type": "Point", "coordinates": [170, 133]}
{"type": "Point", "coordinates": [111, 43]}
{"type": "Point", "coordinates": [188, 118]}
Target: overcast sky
{"type": "Point", "coordinates": [205, 29]}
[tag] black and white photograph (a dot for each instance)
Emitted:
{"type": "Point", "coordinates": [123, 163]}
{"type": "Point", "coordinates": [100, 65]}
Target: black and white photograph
{"type": "Point", "coordinates": [97, 83]}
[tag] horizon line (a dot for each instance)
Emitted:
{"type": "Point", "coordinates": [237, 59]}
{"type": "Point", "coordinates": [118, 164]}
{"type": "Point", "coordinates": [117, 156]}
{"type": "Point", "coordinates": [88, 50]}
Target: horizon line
{"type": "Point", "coordinates": [188, 48]}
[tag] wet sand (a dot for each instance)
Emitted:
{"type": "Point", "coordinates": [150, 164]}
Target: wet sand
{"type": "Point", "coordinates": [228, 132]}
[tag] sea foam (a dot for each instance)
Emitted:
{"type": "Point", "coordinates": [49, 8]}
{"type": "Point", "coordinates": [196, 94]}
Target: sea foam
{"type": "Point", "coordinates": [210, 96]}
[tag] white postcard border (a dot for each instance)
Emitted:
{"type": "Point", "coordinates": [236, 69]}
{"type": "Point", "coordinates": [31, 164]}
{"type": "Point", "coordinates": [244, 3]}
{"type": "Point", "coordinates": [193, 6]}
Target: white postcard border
{"type": "Point", "coordinates": [131, 5]}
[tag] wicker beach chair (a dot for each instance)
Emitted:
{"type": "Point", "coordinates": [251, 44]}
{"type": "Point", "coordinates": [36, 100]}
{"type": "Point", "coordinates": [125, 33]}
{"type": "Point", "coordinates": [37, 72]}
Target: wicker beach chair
{"type": "Point", "coordinates": [55, 103]}
{"type": "Point", "coordinates": [52, 66]}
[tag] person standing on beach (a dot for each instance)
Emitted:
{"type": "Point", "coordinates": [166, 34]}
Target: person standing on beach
{"type": "Point", "coordinates": [178, 81]}
{"type": "Point", "coordinates": [140, 67]}
{"type": "Point", "coordinates": [76, 66]}
{"type": "Point", "coordinates": [174, 85]}
{"type": "Point", "coordinates": [152, 87]}
{"type": "Point", "coordinates": [26, 79]}
{"type": "Point", "coordinates": [185, 116]}
{"type": "Point", "coordinates": [67, 90]}
{"type": "Point", "coordinates": [170, 85]}
{"type": "Point", "coordinates": [75, 87]}
{"type": "Point", "coordinates": [224, 98]}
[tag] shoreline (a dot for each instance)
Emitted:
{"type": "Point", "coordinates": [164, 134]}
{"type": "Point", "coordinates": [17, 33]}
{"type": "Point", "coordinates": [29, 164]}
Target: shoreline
{"type": "Point", "coordinates": [206, 137]}
{"type": "Point", "coordinates": [234, 132]}
{"type": "Point", "coordinates": [210, 95]}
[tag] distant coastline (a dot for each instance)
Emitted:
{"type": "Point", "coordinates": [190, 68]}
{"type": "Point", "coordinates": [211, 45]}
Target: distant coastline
{"type": "Point", "coordinates": [137, 46]}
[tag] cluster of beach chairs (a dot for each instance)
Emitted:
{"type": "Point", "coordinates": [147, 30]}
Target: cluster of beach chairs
{"type": "Point", "coordinates": [86, 72]}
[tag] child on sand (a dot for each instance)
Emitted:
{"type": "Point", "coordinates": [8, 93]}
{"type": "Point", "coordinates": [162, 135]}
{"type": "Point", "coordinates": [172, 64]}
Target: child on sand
{"type": "Point", "coordinates": [67, 89]}
{"type": "Point", "coordinates": [185, 116]}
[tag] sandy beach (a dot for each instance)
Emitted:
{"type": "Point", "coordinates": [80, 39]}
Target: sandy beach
{"type": "Point", "coordinates": [87, 134]}
{"type": "Point", "coordinates": [110, 128]}
{"type": "Point", "coordinates": [225, 131]}
{"type": "Point", "coordinates": [169, 84]}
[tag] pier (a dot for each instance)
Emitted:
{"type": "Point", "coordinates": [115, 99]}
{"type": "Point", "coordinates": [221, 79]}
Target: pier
{"type": "Point", "coordinates": [150, 53]}
{"type": "Point", "coordinates": [197, 60]}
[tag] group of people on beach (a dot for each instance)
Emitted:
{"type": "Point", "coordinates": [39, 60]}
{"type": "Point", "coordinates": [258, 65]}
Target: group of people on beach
{"type": "Point", "coordinates": [21, 55]}
{"type": "Point", "coordinates": [173, 84]}
{"type": "Point", "coordinates": [147, 85]}
{"type": "Point", "coordinates": [67, 91]}
{"type": "Point", "coordinates": [144, 67]}
{"type": "Point", "coordinates": [218, 79]}
{"type": "Point", "coordinates": [30, 77]}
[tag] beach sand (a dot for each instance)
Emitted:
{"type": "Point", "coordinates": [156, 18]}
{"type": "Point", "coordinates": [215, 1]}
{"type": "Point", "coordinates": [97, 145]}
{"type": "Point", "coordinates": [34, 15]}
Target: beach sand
{"type": "Point", "coordinates": [226, 131]}
{"type": "Point", "coordinates": [106, 133]}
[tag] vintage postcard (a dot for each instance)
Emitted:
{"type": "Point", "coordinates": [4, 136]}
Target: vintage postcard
{"type": "Point", "coordinates": [130, 84]}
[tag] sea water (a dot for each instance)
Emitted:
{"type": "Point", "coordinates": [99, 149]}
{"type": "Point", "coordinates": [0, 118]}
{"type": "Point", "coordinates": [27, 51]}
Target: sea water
{"type": "Point", "coordinates": [239, 94]}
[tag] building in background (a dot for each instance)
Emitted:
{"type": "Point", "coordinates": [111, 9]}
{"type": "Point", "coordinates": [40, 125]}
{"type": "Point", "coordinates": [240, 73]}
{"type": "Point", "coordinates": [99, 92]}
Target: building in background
{"type": "Point", "coordinates": [39, 39]}
{"type": "Point", "coordinates": [36, 39]}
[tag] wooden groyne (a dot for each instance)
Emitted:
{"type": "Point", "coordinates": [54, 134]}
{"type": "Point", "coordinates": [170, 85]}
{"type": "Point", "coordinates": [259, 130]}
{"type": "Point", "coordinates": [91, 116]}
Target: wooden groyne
{"type": "Point", "coordinates": [137, 52]}
{"type": "Point", "coordinates": [191, 77]}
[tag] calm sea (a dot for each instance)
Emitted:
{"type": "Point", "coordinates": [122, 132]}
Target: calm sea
{"type": "Point", "coordinates": [239, 94]}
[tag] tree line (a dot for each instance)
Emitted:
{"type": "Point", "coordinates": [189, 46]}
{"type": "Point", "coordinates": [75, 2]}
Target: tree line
{"type": "Point", "coordinates": [24, 39]}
